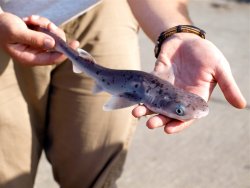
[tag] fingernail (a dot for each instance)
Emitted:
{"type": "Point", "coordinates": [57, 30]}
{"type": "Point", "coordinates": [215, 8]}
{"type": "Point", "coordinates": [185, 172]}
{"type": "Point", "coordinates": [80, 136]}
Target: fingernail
{"type": "Point", "coordinates": [48, 43]}
{"type": "Point", "coordinates": [25, 19]}
{"type": "Point", "coordinates": [35, 17]}
{"type": "Point", "coordinates": [52, 27]}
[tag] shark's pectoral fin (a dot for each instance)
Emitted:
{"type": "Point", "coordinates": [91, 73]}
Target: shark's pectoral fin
{"type": "Point", "coordinates": [118, 102]}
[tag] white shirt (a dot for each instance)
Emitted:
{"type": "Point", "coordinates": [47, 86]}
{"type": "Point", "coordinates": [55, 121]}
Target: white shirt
{"type": "Point", "coordinates": [58, 11]}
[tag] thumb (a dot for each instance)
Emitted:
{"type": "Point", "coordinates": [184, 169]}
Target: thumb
{"type": "Point", "coordinates": [36, 39]}
{"type": "Point", "coordinates": [228, 85]}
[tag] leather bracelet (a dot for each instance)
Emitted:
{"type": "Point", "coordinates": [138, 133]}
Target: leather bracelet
{"type": "Point", "coordinates": [177, 29]}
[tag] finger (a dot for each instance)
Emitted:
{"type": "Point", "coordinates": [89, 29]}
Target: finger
{"type": "Point", "coordinates": [228, 85]}
{"type": "Point", "coordinates": [45, 23]}
{"type": "Point", "coordinates": [37, 20]}
{"type": "Point", "coordinates": [30, 57]}
{"type": "Point", "coordinates": [39, 39]}
{"type": "Point", "coordinates": [74, 44]}
{"type": "Point", "coordinates": [140, 111]}
{"type": "Point", "coordinates": [176, 126]}
{"type": "Point", "coordinates": [35, 39]}
{"type": "Point", "coordinates": [157, 121]}
{"type": "Point", "coordinates": [49, 58]}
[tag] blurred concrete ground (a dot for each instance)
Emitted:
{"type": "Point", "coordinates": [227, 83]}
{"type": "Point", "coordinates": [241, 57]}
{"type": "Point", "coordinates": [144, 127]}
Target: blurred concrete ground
{"type": "Point", "coordinates": [215, 151]}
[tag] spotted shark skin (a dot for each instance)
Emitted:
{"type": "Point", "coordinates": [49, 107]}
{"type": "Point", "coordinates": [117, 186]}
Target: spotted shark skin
{"type": "Point", "coordinates": [130, 87]}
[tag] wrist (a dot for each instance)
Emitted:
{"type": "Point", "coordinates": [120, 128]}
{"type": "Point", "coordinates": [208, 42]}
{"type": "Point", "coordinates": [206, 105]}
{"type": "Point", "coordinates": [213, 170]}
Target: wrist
{"type": "Point", "coordinates": [182, 37]}
{"type": "Point", "coordinates": [190, 29]}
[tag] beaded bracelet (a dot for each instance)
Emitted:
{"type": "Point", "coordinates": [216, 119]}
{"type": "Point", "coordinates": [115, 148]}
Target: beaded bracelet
{"type": "Point", "coordinates": [177, 29]}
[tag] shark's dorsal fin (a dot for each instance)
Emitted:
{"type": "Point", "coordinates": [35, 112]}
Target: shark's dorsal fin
{"type": "Point", "coordinates": [85, 55]}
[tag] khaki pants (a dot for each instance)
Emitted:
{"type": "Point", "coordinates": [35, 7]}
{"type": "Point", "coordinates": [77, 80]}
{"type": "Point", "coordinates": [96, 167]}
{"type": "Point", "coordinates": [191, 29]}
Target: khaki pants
{"type": "Point", "coordinates": [52, 108]}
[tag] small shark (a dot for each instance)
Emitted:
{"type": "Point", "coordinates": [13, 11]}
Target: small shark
{"type": "Point", "coordinates": [130, 87]}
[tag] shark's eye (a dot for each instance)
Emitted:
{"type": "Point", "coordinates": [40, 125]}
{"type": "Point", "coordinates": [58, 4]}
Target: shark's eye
{"type": "Point", "coordinates": [180, 110]}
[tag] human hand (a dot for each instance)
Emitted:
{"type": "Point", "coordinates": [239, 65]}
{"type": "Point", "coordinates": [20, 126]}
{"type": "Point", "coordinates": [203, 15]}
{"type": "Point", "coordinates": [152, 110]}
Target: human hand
{"type": "Point", "coordinates": [197, 66]}
{"type": "Point", "coordinates": [27, 46]}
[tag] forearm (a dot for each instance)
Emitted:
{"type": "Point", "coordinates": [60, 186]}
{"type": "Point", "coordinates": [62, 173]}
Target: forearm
{"type": "Point", "coordinates": [155, 16]}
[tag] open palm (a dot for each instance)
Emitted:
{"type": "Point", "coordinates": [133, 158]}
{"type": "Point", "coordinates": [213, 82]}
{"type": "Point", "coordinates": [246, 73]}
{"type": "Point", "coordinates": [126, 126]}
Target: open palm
{"type": "Point", "coordinates": [195, 65]}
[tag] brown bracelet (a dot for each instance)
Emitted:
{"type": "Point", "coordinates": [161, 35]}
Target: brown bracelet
{"type": "Point", "coordinates": [177, 29]}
